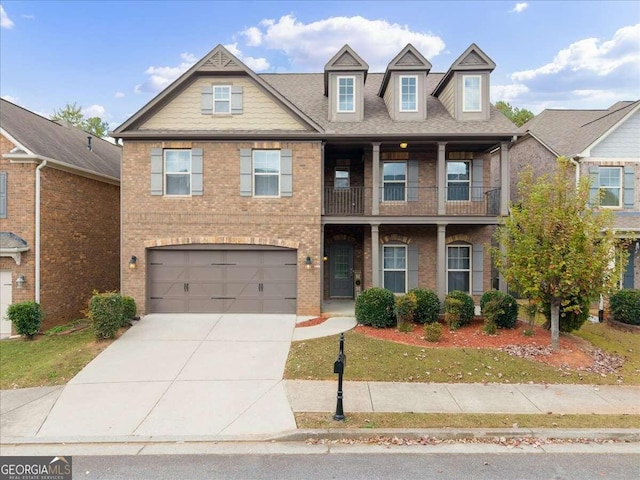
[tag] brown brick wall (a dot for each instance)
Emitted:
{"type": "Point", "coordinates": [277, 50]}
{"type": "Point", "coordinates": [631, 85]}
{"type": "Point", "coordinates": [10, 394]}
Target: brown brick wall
{"type": "Point", "coordinates": [529, 152]}
{"type": "Point", "coordinates": [222, 212]}
{"type": "Point", "coordinates": [80, 243]}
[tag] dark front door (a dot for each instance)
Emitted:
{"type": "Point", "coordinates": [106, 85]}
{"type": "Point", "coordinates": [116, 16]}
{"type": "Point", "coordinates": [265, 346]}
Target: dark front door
{"type": "Point", "coordinates": [341, 270]}
{"type": "Point", "coordinates": [629, 274]}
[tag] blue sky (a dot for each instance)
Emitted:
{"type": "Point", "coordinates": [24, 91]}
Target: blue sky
{"type": "Point", "coordinates": [112, 57]}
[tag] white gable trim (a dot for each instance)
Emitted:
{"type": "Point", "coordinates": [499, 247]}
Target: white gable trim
{"type": "Point", "coordinates": [587, 151]}
{"type": "Point", "coordinates": [13, 140]}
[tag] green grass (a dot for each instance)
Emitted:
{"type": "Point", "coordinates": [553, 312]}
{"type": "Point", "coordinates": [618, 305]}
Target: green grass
{"type": "Point", "coordinates": [48, 360]}
{"type": "Point", "coordinates": [441, 420]}
{"type": "Point", "coordinates": [370, 359]}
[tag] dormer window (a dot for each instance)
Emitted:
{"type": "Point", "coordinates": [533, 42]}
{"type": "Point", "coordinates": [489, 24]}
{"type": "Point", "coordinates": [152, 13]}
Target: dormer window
{"type": "Point", "coordinates": [221, 99]}
{"type": "Point", "coordinates": [471, 95]}
{"type": "Point", "coordinates": [346, 94]}
{"type": "Point", "coordinates": [408, 93]}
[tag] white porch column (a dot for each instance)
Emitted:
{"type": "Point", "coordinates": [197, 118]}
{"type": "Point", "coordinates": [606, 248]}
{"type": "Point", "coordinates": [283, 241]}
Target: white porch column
{"type": "Point", "coordinates": [375, 179]}
{"type": "Point", "coordinates": [441, 259]}
{"type": "Point", "coordinates": [505, 179]}
{"type": "Point", "coordinates": [375, 256]}
{"type": "Point", "coordinates": [442, 178]}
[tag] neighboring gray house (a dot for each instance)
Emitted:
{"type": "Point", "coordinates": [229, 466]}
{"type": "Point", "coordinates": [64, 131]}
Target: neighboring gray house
{"type": "Point", "coordinates": [605, 144]}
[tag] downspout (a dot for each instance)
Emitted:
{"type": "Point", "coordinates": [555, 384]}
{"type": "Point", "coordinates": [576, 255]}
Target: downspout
{"type": "Point", "coordinates": [37, 288]}
{"type": "Point", "coordinates": [577, 165]}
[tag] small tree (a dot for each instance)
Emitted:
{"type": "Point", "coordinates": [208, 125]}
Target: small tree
{"type": "Point", "coordinates": [519, 116]}
{"type": "Point", "coordinates": [73, 115]}
{"type": "Point", "coordinates": [555, 249]}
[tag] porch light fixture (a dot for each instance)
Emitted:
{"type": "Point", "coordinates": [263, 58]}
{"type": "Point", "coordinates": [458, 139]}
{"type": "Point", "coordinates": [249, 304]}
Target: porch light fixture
{"type": "Point", "coordinates": [404, 145]}
{"type": "Point", "coordinates": [133, 261]}
{"type": "Point", "coordinates": [20, 281]}
{"type": "Point", "coordinates": [307, 263]}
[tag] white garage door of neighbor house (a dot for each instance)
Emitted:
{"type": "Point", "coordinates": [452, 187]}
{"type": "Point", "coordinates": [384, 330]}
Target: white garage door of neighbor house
{"type": "Point", "coordinates": [5, 301]}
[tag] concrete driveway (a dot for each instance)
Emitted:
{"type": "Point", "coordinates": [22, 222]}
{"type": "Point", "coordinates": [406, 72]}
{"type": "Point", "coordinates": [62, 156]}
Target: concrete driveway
{"type": "Point", "coordinates": [182, 375]}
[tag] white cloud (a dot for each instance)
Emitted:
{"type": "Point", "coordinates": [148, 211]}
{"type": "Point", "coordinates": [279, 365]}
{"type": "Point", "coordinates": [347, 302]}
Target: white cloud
{"type": "Point", "coordinates": [255, 64]}
{"type": "Point", "coordinates": [118, 95]}
{"type": "Point", "coordinates": [5, 21]}
{"type": "Point", "coordinates": [161, 77]}
{"type": "Point", "coordinates": [520, 7]}
{"type": "Point", "coordinates": [28, 17]}
{"type": "Point", "coordinates": [309, 45]}
{"type": "Point", "coordinates": [507, 93]}
{"type": "Point", "coordinates": [10, 98]}
{"type": "Point", "coordinates": [94, 111]}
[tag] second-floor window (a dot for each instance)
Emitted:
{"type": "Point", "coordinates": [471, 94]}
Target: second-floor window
{"type": "Point", "coordinates": [341, 180]}
{"type": "Point", "coordinates": [394, 179]}
{"type": "Point", "coordinates": [266, 173]}
{"type": "Point", "coordinates": [471, 93]}
{"type": "Point", "coordinates": [177, 172]}
{"type": "Point", "coordinates": [610, 186]}
{"type": "Point", "coordinates": [346, 94]}
{"type": "Point", "coordinates": [221, 99]}
{"type": "Point", "coordinates": [408, 94]}
{"type": "Point", "coordinates": [458, 180]}
{"type": "Point", "coordinates": [395, 268]}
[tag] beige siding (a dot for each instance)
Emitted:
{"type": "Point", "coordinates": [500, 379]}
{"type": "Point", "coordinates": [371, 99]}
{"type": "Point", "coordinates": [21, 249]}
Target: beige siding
{"type": "Point", "coordinates": [388, 96]}
{"type": "Point", "coordinates": [447, 98]}
{"type": "Point", "coordinates": [260, 111]}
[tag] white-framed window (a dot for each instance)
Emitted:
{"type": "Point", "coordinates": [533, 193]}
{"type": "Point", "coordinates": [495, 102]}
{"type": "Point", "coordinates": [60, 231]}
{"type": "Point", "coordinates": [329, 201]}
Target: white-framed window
{"type": "Point", "coordinates": [408, 93]}
{"type": "Point", "coordinates": [394, 181]}
{"type": "Point", "coordinates": [610, 186]}
{"type": "Point", "coordinates": [221, 99]}
{"type": "Point", "coordinates": [341, 179]}
{"type": "Point", "coordinates": [394, 267]}
{"type": "Point", "coordinates": [471, 93]}
{"type": "Point", "coordinates": [458, 180]}
{"type": "Point", "coordinates": [459, 268]}
{"type": "Point", "coordinates": [177, 172]}
{"type": "Point", "coordinates": [346, 94]}
{"type": "Point", "coordinates": [266, 173]}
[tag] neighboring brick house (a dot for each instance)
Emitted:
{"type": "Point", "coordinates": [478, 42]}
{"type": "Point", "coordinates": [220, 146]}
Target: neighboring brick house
{"type": "Point", "coordinates": [59, 215]}
{"type": "Point", "coordinates": [273, 192]}
{"type": "Point", "coordinates": [604, 144]}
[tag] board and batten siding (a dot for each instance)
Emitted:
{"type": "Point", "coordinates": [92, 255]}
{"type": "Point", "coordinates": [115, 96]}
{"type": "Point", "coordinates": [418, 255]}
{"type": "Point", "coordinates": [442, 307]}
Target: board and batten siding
{"type": "Point", "coordinates": [260, 112]}
{"type": "Point", "coordinates": [447, 98]}
{"type": "Point", "coordinates": [623, 142]}
{"type": "Point", "coordinates": [388, 95]}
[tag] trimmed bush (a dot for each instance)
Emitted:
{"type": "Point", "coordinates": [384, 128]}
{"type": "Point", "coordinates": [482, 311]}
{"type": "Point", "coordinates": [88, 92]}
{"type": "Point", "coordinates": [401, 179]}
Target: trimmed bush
{"type": "Point", "coordinates": [26, 317]}
{"type": "Point", "coordinates": [625, 306]}
{"type": "Point", "coordinates": [129, 309]}
{"type": "Point", "coordinates": [452, 307]}
{"type": "Point", "coordinates": [375, 307]}
{"type": "Point", "coordinates": [432, 332]}
{"type": "Point", "coordinates": [507, 308]}
{"type": "Point", "coordinates": [405, 307]}
{"type": "Point", "coordinates": [427, 306]}
{"type": "Point", "coordinates": [466, 309]}
{"type": "Point", "coordinates": [569, 321]}
{"type": "Point", "coordinates": [105, 313]}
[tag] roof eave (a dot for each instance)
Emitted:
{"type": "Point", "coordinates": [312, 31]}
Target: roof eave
{"type": "Point", "coordinates": [85, 172]}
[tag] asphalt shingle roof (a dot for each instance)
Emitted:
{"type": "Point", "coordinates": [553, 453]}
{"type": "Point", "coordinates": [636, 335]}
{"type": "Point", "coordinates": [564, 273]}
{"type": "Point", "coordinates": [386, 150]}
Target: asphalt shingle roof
{"type": "Point", "coordinates": [61, 142]}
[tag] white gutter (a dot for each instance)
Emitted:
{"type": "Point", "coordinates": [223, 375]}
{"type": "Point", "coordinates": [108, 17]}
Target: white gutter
{"type": "Point", "coordinates": [17, 157]}
{"type": "Point", "coordinates": [38, 169]}
{"type": "Point", "coordinates": [577, 165]}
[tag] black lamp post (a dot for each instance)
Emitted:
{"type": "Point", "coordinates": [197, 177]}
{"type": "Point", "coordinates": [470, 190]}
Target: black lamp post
{"type": "Point", "coordinates": [338, 367]}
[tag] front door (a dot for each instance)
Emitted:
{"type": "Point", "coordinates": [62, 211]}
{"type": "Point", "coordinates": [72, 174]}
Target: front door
{"type": "Point", "coordinates": [341, 270]}
{"type": "Point", "coordinates": [629, 274]}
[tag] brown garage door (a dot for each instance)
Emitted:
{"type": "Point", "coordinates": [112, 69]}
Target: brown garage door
{"type": "Point", "coordinates": [221, 281]}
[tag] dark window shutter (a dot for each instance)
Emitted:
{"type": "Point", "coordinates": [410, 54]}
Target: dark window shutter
{"type": "Point", "coordinates": [196, 171]}
{"type": "Point", "coordinates": [3, 195]}
{"type": "Point", "coordinates": [245, 173]}
{"type": "Point", "coordinates": [156, 172]}
{"type": "Point", "coordinates": [412, 266]}
{"type": "Point", "coordinates": [207, 101]}
{"type": "Point", "coordinates": [236, 100]}
{"type": "Point", "coordinates": [412, 181]}
{"type": "Point", "coordinates": [286, 173]}
{"type": "Point", "coordinates": [477, 278]}
{"type": "Point", "coordinates": [381, 266]}
{"type": "Point", "coordinates": [629, 187]}
{"type": "Point", "coordinates": [477, 183]}
{"type": "Point", "coordinates": [594, 192]}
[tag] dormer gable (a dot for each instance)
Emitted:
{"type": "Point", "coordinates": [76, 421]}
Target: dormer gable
{"type": "Point", "coordinates": [464, 89]}
{"type": "Point", "coordinates": [403, 85]}
{"type": "Point", "coordinates": [344, 78]}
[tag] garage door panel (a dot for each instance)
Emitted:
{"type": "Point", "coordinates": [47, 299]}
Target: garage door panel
{"type": "Point", "coordinates": [243, 290]}
{"type": "Point", "coordinates": [167, 257]}
{"type": "Point", "coordinates": [203, 304]}
{"type": "Point", "coordinates": [279, 273]}
{"type": "Point", "coordinates": [244, 257]}
{"type": "Point", "coordinates": [169, 289]}
{"type": "Point", "coordinates": [168, 273]}
{"type": "Point", "coordinates": [206, 273]}
{"type": "Point", "coordinates": [244, 305]}
{"type": "Point", "coordinates": [167, 305]}
{"type": "Point", "coordinates": [242, 273]}
{"type": "Point", "coordinates": [279, 306]}
{"type": "Point", "coordinates": [210, 289]}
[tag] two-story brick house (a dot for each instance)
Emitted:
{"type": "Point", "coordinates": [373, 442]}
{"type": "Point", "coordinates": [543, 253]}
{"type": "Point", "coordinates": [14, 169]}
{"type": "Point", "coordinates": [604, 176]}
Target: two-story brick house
{"type": "Point", "coordinates": [59, 215]}
{"type": "Point", "coordinates": [270, 193]}
{"type": "Point", "coordinates": [603, 144]}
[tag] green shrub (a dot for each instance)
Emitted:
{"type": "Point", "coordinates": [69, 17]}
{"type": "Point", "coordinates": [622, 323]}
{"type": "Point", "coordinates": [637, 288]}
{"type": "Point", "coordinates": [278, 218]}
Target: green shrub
{"type": "Point", "coordinates": [492, 310]}
{"type": "Point", "coordinates": [466, 309]}
{"type": "Point", "coordinates": [452, 307]}
{"type": "Point", "coordinates": [105, 313]}
{"type": "Point", "coordinates": [427, 307]}
{"type": "Point", "coordinates": [433, 332]}
{"type": "Point", "coordinates": [625, 306]}
{"type": "Point", "coordinates": [569, 320]}
{"type": "Point", "coordinates": [507, 307]}
{"type": "Point", "coordinates": [375, 307]}
{"type": "Point", "coordinates": [129, 308]}
{"type": "Point", "coordinates": [405, 307]}
{"type": "Point", "coordinates": [26, 318]}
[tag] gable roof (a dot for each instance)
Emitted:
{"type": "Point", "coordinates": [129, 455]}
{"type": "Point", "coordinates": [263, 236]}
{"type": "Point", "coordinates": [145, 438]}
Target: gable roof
{"type": "Point", "coordinates": [571, 132]}
{"type": "Point", "coordinates": [346, 60]}
{"type": "Point", "coordinates": [37, 137]}
{"type": "Point", "coordinates": [218, 60]}
{"type": "Point", "coordinates": [473, 58]}
{"type": "Point", "coordinates": [408, 60]}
